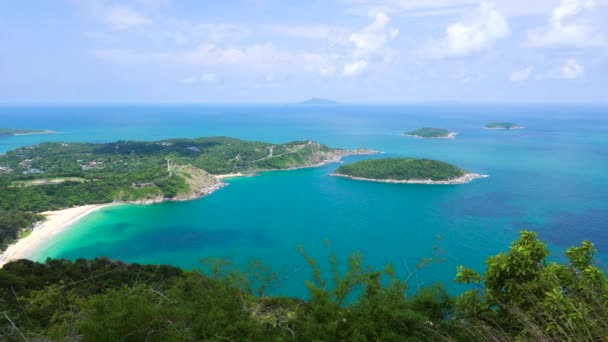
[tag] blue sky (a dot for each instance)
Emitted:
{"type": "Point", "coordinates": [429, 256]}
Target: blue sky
{"type": "Point", "coordinates": [282, 51]}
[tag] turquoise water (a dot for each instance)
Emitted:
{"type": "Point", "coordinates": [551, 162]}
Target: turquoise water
{"type": "Point", "coordinates": [551, 177]}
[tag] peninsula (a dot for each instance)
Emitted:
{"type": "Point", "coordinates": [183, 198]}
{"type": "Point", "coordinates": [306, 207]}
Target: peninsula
{"type": "Point", "coordinates": [503, 125]}
{"type": "Point", "coordinates": [49, 177]}
{"type": "Point", "coordinates": [431, 133]}
{"type": "Point", "coordinates": [12, 131]}
{"type": "Point", "coordinates": [406, 170]}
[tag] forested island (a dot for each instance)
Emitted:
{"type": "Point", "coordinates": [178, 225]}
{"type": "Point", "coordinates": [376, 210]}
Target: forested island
{"type": "Point", "coordinates": [12, 131]}
{"type": "Point", "coordinates": [431, 133]}
{"type": "Point", "coordinates": [53, 176]}
{"type": "Point", "coordinates": [406, 170]}
{"type": "Point", "coordinates": [521, 296]}
{"type": "Point", "coordinates": [503, 125]}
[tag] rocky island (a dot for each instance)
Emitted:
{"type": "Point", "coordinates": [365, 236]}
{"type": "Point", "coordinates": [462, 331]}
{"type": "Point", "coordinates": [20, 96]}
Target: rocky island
{"type": "Point", "coordinates": [431, 133]}
{"type": "Point", "coordinates": [406, 170]}
{"type": "Point", "coordinates": [503, 125]}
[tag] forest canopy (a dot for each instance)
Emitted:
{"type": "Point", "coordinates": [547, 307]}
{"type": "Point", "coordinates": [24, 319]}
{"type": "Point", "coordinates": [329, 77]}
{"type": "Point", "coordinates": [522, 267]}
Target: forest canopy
{"type": "Point", "coordinates": [401, 169]}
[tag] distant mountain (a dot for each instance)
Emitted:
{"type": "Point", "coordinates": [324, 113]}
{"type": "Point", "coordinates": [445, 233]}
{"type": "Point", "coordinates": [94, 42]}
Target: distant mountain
{"type": "Point", "coordinates": [315, 101]}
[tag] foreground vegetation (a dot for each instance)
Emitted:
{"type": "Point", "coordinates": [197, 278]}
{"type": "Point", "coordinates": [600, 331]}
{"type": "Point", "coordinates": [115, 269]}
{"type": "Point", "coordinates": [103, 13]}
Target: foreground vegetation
{"type": "Point", "coordinates": [521, 296]}
{"type": "Point", "coordinates": [53, 176]}
{"type": "Point", "coordinates": [430, 132]}
{"type": "Point", "coordinates": [401, 169]}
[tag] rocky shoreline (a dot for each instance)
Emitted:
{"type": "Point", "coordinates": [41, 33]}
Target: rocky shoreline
{"type": "Point", "coordinates": [466, 178]}
{"type": "Point", "coordinates": [451, 135]}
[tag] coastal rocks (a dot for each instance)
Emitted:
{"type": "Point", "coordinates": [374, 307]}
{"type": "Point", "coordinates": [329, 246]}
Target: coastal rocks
{"type": "Point", "coordinates": [467, 178]}
{"type": "Point", "coordinates": [200, 183]}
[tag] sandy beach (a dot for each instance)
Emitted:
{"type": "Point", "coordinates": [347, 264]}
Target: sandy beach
{"type": "Point", "coordinates": [36, 133]}
{"type": "Point", "coordinates": [56, 221]}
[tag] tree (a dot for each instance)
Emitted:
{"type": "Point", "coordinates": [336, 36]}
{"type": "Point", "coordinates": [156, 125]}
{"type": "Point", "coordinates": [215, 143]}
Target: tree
{"type": "Point", "coordinates": [525, 296]}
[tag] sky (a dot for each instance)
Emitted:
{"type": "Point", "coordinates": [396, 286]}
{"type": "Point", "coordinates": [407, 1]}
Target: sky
{"type": "Point", "coordinates": [278, 51]}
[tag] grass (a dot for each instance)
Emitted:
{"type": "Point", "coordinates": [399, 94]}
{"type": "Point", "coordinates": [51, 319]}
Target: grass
{"type": "Point", "coordinates": [25, 233]}
{"type": "Point", "coordinates": [47, 181]}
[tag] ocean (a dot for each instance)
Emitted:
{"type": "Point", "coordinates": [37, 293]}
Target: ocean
{"type": "Point", "coordinates": [551, 177]}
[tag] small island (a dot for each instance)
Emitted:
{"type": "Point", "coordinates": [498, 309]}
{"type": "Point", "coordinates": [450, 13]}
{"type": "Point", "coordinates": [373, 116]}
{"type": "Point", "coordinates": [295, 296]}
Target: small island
{"type": "Point", "coordinates": [431, 133]}
{"type": "Point", "coordinates": [406, 170]}
{"type": "Point", "coordinates": [316, 101]}
{"type": "Point", "coordinates": [12, 131]}
{"type": "Point", "coordinates": [503, 125]}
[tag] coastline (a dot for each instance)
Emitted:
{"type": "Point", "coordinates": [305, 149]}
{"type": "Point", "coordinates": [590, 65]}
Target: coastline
{"type": "Point", "coordinates": [56, 221]}
{"type": "Point", "coordinates": [451, 135]}
{"type": "Point", "coordinates": [230, 175]}
{"type": "Point", "coordinates": [334, 159]}
{"type": "Point", "coordinates": [36, 133]}
{"type": "Point", "coordinates": [200, 193]}
{"type": "Point", "coordinates": [467, 178]}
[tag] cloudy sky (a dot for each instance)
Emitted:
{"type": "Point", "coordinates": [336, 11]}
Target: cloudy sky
{"type": "Point", "coordinates": [289, 50]}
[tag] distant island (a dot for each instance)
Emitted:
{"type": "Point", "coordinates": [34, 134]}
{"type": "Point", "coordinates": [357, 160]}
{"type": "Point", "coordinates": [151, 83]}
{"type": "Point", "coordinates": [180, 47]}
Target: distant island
{"type": "Point", "coordinates": [406, 170]}
{"type": "Point", "coordinates": [431, 133]}
{"type": "Point", "coordinates": [315, 101]}
{"type": "Point", "coordinates": [56, 176]}
{"type": "Point", "coordinates": [12, 131]}
{"type": "Point", "coordinates": [503, 125]}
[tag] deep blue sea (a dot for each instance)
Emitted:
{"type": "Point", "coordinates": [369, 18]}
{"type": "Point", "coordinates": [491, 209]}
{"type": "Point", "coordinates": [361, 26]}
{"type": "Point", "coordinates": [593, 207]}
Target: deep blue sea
{"type": "Point", "coordinates": [551, 177]}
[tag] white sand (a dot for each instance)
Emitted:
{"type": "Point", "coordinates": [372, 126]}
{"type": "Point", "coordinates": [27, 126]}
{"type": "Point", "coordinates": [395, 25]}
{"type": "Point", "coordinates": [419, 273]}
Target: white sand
{"type": "Point", "coordinates": [55, 222]}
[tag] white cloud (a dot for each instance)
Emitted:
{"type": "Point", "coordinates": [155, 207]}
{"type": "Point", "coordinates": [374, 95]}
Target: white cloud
{"type": "Point", "coordinates": [354, 68]}
{"type": "Point", "coordinates": [205, 77]}
{"type": "Point", "coordinates": [122, 18]}
{"type": "Point", "coordinates": [464, 75]}
{"type": "Point", "coordinates": [425, 8]}
{"type": "Point", "coordinates": [256, 59]}
{"type": "Point", "coordinates": [374, 36]}
{"type": "Point", "coordinates": [466, 38]}
{"type": "Point", "coordinates": [571, 69]}
{"type": "Point", "coordinates": [365, 45]}
{"type": "Point", "coordinates": [176, 42]}
{"type": "Point", "coordinates": [190, 79]}
{"type": "Point", "coordinates": [308, 32]}
{"type": "Point", "coordinates": [568, 26]}
{"type": "Point", "coordinates": [521, 75]}
{"type": "Point", "coordinates": [189, 32]}
{"type": "Point", "coordinates": [208, 78]}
